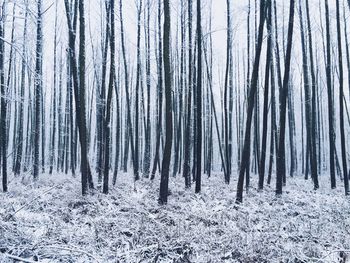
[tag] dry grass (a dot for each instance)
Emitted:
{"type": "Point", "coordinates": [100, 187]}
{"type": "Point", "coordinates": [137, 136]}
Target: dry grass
{"type": "Point", "coordinates": [51, 222]}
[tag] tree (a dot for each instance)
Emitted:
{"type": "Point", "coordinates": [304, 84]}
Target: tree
{"type": "Point", "coordinates": [273, 135]}
{"type": "Point", "coordinates": [53, 110]}
{"type": "Point", "coordinates": [164, 180]}
{"type": "Point", "coordinates": [107, 114]}
{"type": "Point", "coordinates": [199, 101]}
{"type": "Point", "coordinates": [187, 146]}
{"type": "Point", "coordinates": [330, 98]}
{"type": "Point", "coordinates": [266, 95]}
{"type": "Point", "coordinates": [244, 166]}
{"type": "Point", "coordinates": [101, 100]}
{"type": "Point", "coordinates": [281, 166]}
{"type": "Point", "coordinates": [79, 83]}
{"type": "Point", "coordinates": [38, 89]}
{"type": "Point", "coordinates": [83, 133]}
{"type": "Point", "coordinates": [19, 149]}
{"type": "Point", "coordinates": [137, 92]}
{"type": "Point", "coordinates": [313, 135]}
{"type": "Point", "coordinates": [307, 91]}
{"type": "Point", "coordinates": [3, 101]}
{"type": "Point", "coordinates": [129, 122]}
{"type": "Point", "coordinates": [341, 102]}
{"type": "Point", "coordinates": [159, 56]}
{"type": "Point", "coordinates": [147, 150]}
{"type": "Point", "coordinates": [227, 114]}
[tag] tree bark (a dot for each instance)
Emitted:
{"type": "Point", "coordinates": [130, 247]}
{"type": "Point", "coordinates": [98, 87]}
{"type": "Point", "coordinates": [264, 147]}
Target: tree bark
{"type": "Point", "coordinates": [281, 165]}
{"type": "Point", "coordinates": [164, 180]}
{"type": "Point", "coordinates": [251, 102]}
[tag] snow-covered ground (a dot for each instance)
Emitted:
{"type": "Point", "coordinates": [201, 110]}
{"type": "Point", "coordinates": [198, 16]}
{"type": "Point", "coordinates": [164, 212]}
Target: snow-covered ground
{"type": "Point", "coordinates": [52, 222]}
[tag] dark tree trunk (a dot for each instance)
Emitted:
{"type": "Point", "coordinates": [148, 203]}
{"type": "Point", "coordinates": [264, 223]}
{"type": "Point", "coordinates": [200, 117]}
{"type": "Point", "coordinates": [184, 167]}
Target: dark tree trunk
{"type": "Point", "coordinates": [118, 126]}
{"type": "Point", "coordinates": [159, 93]}
{"type": "Point", "coordinates": [38, 90]}
{"type": "Point", "coordinates": [164, 180]}
{"type": "Point", "coordinates": [199, 101]}
{"type": "Point", "coordinates": [19, 150]}
{"type": "Point", "coordinates": [147, 149]}
{"type": "Point", "coordinates": [306, 87]}
{"type": "Point", "coordinates": [251, 101]}
{"type": "Point", "coordinates": [79, 85]}
{"type": "Point", "coordinates": [101, 104]}
{"type": "Point", "coordinates": [129, 122]}
{"type": "Point", "coordinates": [3, 135]}
{"type": "Point", "coordinates": [314, 130]}
{"type": "Point", "coordinates": [330, 99]}
{"type": "Point", "coordinates": [107, 114]}
{"type": "Point", "coordinates": [266, 97]}
{"type": "Point", "coordinates": [137, 91]}
{"type": "Point", "coordinates": [227, 119]}
{"type": "Point", "coordinates": [85, 173]}
{"type": "Point", "coordinates": [281, 162]}
{"type": "Point", "coordinates": [187, 140]}
{"type": "Point", "coordinates": [341, 103]}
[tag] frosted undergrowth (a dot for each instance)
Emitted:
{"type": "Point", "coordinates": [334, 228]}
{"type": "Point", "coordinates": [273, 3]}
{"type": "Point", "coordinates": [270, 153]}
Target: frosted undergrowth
{"type": "Point", "coordinates": [51, 222]}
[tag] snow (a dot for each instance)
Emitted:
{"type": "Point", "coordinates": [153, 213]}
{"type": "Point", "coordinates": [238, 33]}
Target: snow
{"type": "Point", "coordinates": [51, 222]}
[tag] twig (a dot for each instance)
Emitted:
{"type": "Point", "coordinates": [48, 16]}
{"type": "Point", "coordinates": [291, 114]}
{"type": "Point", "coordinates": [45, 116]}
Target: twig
{"type": "Point", "coordinates": [28, 203]}
{"type": "Point", "coordinates": [74, 250]}
{"type": "Point", "coordinates": [332, 252]}
{"type": "Point", "coordinates": [135, 251]}
{"type": "Point", "coordinates": [19, 258]}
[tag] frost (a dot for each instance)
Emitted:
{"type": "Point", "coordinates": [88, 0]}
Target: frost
{"type": "Point", "coordinates": [51, 222]}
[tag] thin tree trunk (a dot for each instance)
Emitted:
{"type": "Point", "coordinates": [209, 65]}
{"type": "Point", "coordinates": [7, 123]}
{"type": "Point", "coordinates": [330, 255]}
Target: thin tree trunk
{"type": "Point", "coordinates": [266, 97]}
{"type": "Point", "coordinates": [187, 146]}
{"type": "Point", "coordinates": [147, 150]}
{"type": "Point", "coordinates": [281, 162]}
{"type": "Point", "coordinates": [129, 122]}
{"type": "Point", "coordinates": [199, 101]}
{"type": "Point", "coordinates": [164, 180]}
{"type": "Point", "coordinates": [314, 130]}
{"type": "Point", "coordinates": [107, 113]}
{"type": "Point", "coordinates": [251, 101]}
{"type": "Point", "coordinates": [19, 150]}
{"type": "Point", "coordinates": [38, 90]}
{"type": "Point", "coordinates": [341, 102]}
{"type": "Point", "coordinates": [3, 102]}
{"type": "Point", "coordinates": [330, 99]}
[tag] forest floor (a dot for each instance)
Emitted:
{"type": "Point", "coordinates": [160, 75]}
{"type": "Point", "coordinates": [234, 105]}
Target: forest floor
{"type": "Point", "coordinates": [51, 222]}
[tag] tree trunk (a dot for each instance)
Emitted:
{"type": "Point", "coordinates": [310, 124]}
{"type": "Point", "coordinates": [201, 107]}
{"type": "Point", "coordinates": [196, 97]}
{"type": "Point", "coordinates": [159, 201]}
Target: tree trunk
{"type": "Point", "coordinates": [341, 103]}
{"type": "Point", "coordinates": [38, 90]}
{"type": "Point", "coordinates": [281, 162]}
{"type": "Point", "coordinates": [164, 180]}
{"type": "Point", "coordinates": [187, 140]}
{"type": "Point", "coordinates": [107, 113]}
{"type": "Point", "coordinates": [266, 97]}
{"type": "Point", "coordinates": [251, 101]}
{"type": "Point", "coordinates": [330, 99]}
{"type": "Point", "coordinates": [199, 101]}
{"type": "Point", "coordinates": [3, 102]}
